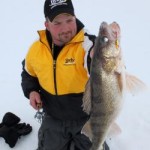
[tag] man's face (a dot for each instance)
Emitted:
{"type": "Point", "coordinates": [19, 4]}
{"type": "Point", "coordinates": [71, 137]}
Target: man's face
{"type": "Point", "coordinates": [63, 28]}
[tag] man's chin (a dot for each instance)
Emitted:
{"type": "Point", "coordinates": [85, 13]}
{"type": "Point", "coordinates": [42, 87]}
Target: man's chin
{"type": "Point", "coordinates": [66, 40]}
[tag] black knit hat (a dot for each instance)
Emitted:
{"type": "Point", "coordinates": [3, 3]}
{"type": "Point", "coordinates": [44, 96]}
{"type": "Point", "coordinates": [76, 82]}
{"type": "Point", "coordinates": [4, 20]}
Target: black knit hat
{"type": "Point", "coordinates": [52, 8]}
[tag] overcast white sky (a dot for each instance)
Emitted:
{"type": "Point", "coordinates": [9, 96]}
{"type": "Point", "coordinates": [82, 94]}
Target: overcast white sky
{"type": "Point", "coordinates": [19, 21]}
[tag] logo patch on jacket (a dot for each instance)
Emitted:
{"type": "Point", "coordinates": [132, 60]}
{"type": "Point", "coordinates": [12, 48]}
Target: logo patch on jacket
{"type": "Point", "coordinates": [69, 61]}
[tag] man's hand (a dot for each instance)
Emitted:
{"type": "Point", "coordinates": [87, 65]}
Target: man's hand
{"type": "Point", "coordinates": [35, 100]}
{"type": "Point", "coordinates": [91, 53]}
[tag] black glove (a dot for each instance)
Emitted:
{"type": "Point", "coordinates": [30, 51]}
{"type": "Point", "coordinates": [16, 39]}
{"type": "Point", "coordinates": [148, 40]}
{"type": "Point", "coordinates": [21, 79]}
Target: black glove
{"type": "Point", "coordinates": [23, 129]}
{"type": "Point", "coordinates": [11, 130]}
{"type": "Point", "coordinates": [10, 119]}
{"type": "Point", "coordinates": [9, 135]}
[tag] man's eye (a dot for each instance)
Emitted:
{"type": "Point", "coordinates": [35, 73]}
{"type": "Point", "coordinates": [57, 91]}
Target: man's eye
{"type": "Point", "coordinates": [57, 23]}
{"type": "Point", "coordinates": [70, 20]}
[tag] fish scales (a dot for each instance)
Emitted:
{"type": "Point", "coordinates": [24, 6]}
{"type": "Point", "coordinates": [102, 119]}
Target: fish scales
{"type": "Point", "coordinates": [103, 94]}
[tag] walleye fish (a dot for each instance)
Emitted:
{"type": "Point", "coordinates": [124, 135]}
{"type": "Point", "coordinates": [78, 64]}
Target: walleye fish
{"type": "Point", "coordinates": [104, 91]}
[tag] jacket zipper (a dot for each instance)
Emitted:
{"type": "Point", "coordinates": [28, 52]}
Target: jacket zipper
{"type": "Point", "coordinates": [54, 69]}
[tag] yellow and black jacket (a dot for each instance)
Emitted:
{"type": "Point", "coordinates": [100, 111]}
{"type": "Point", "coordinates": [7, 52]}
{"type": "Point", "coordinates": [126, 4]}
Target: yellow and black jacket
{"type": "Point", "coordinates": [60, 79]}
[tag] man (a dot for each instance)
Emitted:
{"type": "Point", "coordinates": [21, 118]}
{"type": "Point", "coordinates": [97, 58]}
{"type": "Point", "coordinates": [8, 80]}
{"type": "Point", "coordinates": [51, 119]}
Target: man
{"type": "Point", "coordinates": [54, 75]}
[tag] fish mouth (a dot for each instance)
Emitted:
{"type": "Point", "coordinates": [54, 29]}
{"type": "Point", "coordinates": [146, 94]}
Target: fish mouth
{"type": "Point", "coordinates": [104, 28]}
{"type": "Point", "coordinates": [103, 25]}
{"type": "Point", "coordinates": [110, 57]}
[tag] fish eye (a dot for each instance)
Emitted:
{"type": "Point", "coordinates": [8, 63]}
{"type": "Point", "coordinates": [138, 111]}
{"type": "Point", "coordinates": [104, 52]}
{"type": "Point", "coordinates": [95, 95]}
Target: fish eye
{"type": "Point", "coordinates": [105, 39]}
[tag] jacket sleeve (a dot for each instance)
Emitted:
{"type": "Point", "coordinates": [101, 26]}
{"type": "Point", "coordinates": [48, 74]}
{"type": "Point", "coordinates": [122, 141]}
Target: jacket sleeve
{"type": "Point", "coordinates": [28, 82]}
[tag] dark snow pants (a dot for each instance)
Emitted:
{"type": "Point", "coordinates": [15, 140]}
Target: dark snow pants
{"type": "Point", "coordinates": [62, 135]}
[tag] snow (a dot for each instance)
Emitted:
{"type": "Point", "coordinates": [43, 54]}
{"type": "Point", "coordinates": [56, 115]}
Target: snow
{"type": "Point", "coordinates": [19, 22]}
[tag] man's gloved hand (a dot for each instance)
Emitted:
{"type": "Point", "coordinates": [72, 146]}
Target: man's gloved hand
{"type": "Point", "coordinates": [11, 130]}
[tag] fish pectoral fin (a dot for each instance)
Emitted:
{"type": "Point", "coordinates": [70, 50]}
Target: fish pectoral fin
{"type": "Point", "coordinates": [120, 81]}
{"type": "Point", "coordinates": [87, 98]}
{"type": "Point", "coordinates": [133, 84]}
{"type": "Point", "coordinates": [87, 130]}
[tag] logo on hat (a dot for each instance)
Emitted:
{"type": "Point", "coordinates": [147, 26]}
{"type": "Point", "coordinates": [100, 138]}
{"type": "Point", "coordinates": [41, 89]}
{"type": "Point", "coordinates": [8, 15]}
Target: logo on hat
{"type": "Point", "coordinates": [55, 3]}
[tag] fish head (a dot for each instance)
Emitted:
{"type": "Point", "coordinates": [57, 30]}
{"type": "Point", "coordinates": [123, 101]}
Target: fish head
{"type": "Point", "coordinates": [109, 38]}
{"type": "Point", "coordinates": [107, 47]}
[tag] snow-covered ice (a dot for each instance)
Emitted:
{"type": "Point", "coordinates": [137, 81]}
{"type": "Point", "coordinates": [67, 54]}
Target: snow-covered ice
{"type": "Point", "coordinates": [19, 21]}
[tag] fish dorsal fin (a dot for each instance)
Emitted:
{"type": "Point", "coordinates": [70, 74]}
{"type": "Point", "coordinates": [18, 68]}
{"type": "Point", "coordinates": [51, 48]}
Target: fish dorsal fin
{"type": "Point", "coordinates": [114, 130]}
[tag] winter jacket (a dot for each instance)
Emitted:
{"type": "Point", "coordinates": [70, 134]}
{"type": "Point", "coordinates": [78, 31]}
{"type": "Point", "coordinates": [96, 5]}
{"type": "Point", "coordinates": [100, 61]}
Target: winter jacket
{"type": "Point", "coordinates": [61, 82]}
